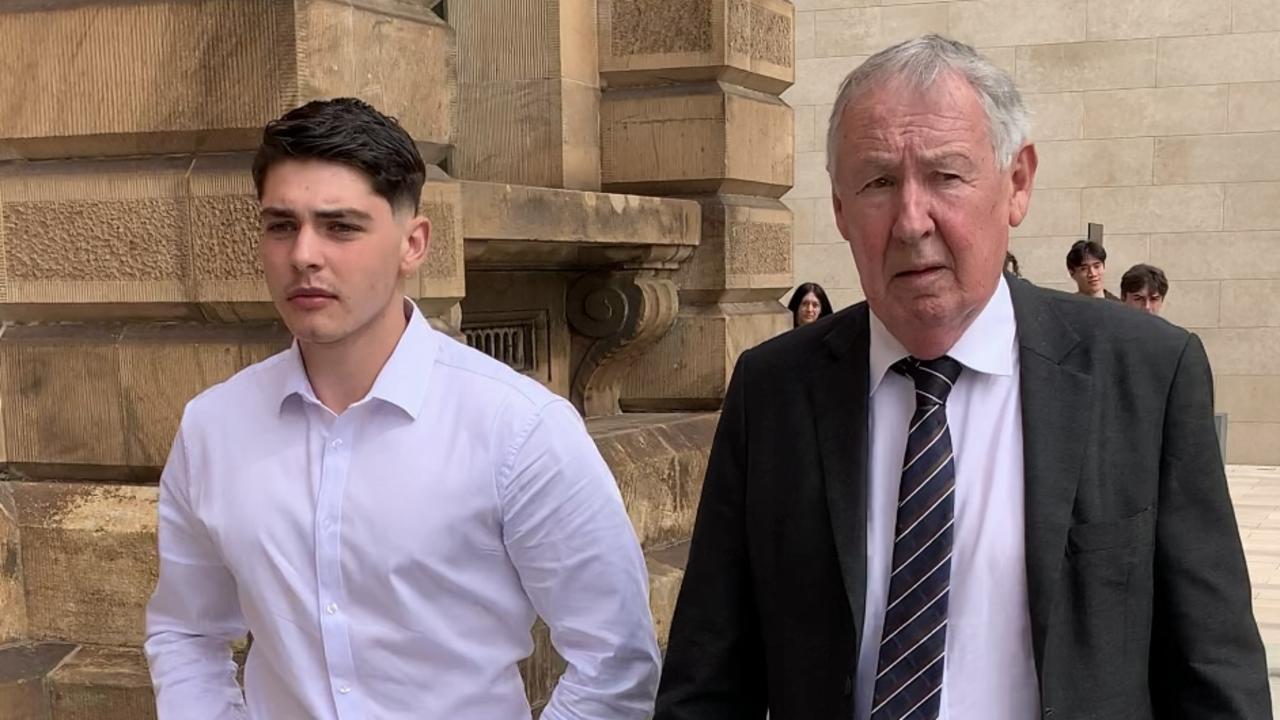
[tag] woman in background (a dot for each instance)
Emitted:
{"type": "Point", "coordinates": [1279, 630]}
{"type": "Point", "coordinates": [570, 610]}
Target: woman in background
{"type": "Point", "coordinates": [808, 303]}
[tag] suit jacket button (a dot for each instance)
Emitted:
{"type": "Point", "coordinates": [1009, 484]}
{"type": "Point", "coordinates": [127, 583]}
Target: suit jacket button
{"type": "Point", "coordinates": [1048, 712]}
{"type": "Point", "coordinates": [848, 685]}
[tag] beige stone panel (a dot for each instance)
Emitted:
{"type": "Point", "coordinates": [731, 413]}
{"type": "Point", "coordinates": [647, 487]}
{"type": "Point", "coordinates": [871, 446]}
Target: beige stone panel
{"type": "Point", "coordinates": [13, 603]}
{"type": "Point", "coordinates": [745, 252]}
{"type": "Point", "coordinates": [1017, 22]}
{"type": "Point", "coordinates": [824, 222]}
{"type": "Point", "coordinates": [1217, 255]}
{"type": "Point", "coordinates": [803, 217]}
{"type": "Point", "coordinates": [1253, 443]}
{"type": "Point", "coordinates": [1005, 58]}
{"type": "Point", "coordinates": [1254, 107]}
{"type": "Point", "coordinates": [863, 31]}
{"type": "Point", "coordinates": [89, 556]}
{"type": "Point", "coordinates": [1193, 304]}
{"type": "Point", "coordinates": [1087, 66]}
{"type": "Point", "coordinates": [842, 298]}
{"type": "Point", "coordinates": [1052, 213]}
{"type": "Point", "coordinates": [821, 122]}
{"type": "Point", "coordinates": [1253, 206]}
{"type": "Point", "coordinates": [1055, 116]}
{"type": "Point", "coordinates": [806, 35]}
{"type": "Point", "coordinates": [103, 683]}
{"type": "Point", "coordinates": [1245, 157]}
{"type": "Point", "coordinates": [689, 367]}
{"type": "Point", "coordinates": [819, 79]}
{"type": "Point", "coordinates": [1175, 208]}
{"type": "Point", "coordinates": [810, 5]}
{"type": "Point", "coordinates": [829, 265]}
{"type": "Point", "coordinates": [441, 280]}
{"type": "Point", "coordinates": [1243, 351]}
{"type": "Point", "coordinates": [1094, 163]}
{"type": "Point", "coordinates": [1248, 398]}
{"type": "Point", "coordinates": [1233, 58]}
{"type": "Point", "coordinates": [1255, 15]}
{"type": "Point", "coordinates": [746, 42]}
{"type": "Point", "coordinates": [1251, 303]}
{"type": "Point", "coordinates": [806, 137]}
{"type": "Point", "coordinates": [1125, 19]}
{"type": "Point", "coordinates": [696, 138]}
{"type": "Point", "coordinates": [1156, 111]}
{"type": "Point", "coordinates": [811, 179]}
{"type": "Point", "coordinates": [121, 78]}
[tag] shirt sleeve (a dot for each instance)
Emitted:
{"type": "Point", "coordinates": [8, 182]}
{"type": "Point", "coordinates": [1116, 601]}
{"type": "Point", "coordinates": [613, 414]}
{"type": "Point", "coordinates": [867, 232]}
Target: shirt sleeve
{"type": "Point", "coordinates": [570, 539]}
{"type": "Point", "coordinates": [194, 613]}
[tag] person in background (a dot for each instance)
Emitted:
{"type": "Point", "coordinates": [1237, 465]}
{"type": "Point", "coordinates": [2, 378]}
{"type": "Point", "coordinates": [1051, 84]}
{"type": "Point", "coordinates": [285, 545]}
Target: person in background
{"type": "Point", "coordinates": [1144, 287]}
{"type": "Point", "coordinates": [1087, 263]}
{"type": "Point", "coordinates": [808, 303]}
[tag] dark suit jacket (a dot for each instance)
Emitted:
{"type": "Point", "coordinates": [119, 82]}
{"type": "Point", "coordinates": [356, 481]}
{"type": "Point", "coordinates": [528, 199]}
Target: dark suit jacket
{"type": "Point", "coordinates": [1140, 602]}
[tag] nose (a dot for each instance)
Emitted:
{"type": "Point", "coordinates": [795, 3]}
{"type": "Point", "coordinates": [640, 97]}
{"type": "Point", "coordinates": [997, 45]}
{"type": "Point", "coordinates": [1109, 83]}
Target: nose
{"type": "Point", "coordinates": [914, 221]}
{"type": "Point", "coordinates": [305, 253]}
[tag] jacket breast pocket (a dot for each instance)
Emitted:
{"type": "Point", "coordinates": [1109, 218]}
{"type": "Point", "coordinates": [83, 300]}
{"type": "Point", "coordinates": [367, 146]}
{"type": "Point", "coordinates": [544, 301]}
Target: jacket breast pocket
{"type": "Point", "coordinates": [1135, 530]}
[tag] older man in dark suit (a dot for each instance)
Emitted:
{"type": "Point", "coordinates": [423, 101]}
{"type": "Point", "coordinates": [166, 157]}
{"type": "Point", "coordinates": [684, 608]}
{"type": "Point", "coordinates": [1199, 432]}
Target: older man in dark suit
{"type": "Point", "coordinates": [966, 498]}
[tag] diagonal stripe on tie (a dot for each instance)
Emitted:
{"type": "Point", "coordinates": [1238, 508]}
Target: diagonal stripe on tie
{"type": "Point", "coordinates": [909, 672]}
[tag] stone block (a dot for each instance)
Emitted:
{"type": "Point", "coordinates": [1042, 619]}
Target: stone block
{"type": "Point", "coordinates": [710, 137]}
{"type": "Point", "coordinates": [744, 254]}
{"type": "Point", "coordinates": [1155, 111]}
{"type": "Point", "coordinates": [173, 233]}
{"type": "Point", "coordinates": [1193, 304]}
{"type": "Point", "coordinates": [1017, 22]}
{"type": "Point", "coordinates": [689, 368]}
{"type": "Point", "coordinates": [829, 264]}
{"type": "Point", "coordinates": [150, 78]}
{"type": "Point", "coordinates": [102, 683]}
{"type": "Point", "coordinates": [1237, 58]}
{"type": "Point", "coordinates": [529, 95]}
{"type": "Point", "coordinates": [806, 35]}
{"type": "Point", "coordinates": [1253, 206]}
{"type": "Point", "coordinates": [1218, 255]}
{"type": "Point", "coordinates": [1087, 66]}
{"type": "Point", "coordinates": [1251, 303]}
{"type": "Point", "coordinates": [818, 79]}
{"type": "Point", "coordinates": [1253, 443]}
{"type": "Point", "coordinates": [1248, 398]}
{"type": "Point", "coordinates": [1254, 107]}
{"type": "Point", "coordinates": [13, 604]}
{"type": "Point", "coordinates": [863, 31]}
{"type": "Point", "coordinates": [807, 139]}
{"type": "Point", "coordinates": [23, 669]}
{"type": "Point", "coordinates": [89, 557]}
{"type": "Point", "coordinates": [1243, 351]}
{"type": "Point", "coordinates": [1254, 15]}
{"type": "Point", "coordinates": [666, 572]}
{"type": "Point", "coordinates": [1126, 19]}
{"type": "Point", "coordinates": [1171, 208]}
{"type": "Point", "coordinates": [1005, 58]}
{"type": "Point", "coordinates": [802, 219]}
{"type": "Point", "coordinates": [1095, 163]}
{"type": "Point", "coordinates": [811, 178]}
{"type": "Point", "coordinates": [1242, 157]}
{"type": "Point", "coordinates": [103, 401]}
{"type": "Point", "coordinates": [1055, 116]}
{"type": "Point", "coordinates": [745, 42]}
{"type": "Point", "coordinates": [1052, 213]}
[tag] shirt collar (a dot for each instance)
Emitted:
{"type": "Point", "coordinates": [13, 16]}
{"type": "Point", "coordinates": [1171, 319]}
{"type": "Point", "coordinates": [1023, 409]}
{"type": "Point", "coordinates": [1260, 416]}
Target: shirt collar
{"type": "Point", "coordinates": [401, 382]}
{"type": "Point", "coordinates": [989, 346]}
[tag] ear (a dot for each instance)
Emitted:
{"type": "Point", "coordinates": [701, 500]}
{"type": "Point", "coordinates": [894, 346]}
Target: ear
{"type": "Point", "coordinates": [415, 245]}
{"type": "Point", "coordinates": [1020, 181]}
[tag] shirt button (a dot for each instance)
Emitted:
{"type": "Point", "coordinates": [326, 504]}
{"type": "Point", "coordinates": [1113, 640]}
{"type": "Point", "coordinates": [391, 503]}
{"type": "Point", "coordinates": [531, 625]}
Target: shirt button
{"type": "Point", "coordinates": [344, 690]}
{"type": "Point", "coordinates": [337, 443]}
{"type": "Point", "coordinates": [332, 609]}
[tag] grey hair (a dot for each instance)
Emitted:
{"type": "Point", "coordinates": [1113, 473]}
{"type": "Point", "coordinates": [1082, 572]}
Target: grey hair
{"type": "Point", "coordinates": [920, 62]}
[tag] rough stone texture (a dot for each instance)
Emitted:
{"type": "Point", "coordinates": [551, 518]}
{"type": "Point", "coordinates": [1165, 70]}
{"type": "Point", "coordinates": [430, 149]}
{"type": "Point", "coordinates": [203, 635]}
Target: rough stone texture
{"type": "Point", "coordinates": [529, 97]}
{"type": "Point", "coordinates": [13, 606]}
{"type": "Point", "coordinates": [102, 683]}
{"type": "Point", "coordinates": [745, 42]}
{"type": "Point", "coordinates": [104, 78]}
{"type": "Point", "coordinates": [103, 401]}
{"type": "Point", "coordinates": [745, 252]}
{"type": "Point", "coordinates": [23, 669]}
{"type": "Point", "coordinates": [171, 233]}
{"type": "Point", "coordinates": [700, 138]}
{"type": "Point", "coordinates": [89, 559]}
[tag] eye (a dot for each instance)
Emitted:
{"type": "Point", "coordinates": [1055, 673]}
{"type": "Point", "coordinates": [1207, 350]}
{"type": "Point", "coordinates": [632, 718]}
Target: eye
{"type": "Point", "coordinates": [276, 227]}
{"type": "Point", "coordinates": [947, 177]}
{"type": "Point", "coordinates": [878, 183]}
{"type": "Point", "coordinates": [339, 228]}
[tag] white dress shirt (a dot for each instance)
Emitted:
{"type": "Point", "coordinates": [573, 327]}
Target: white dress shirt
{"type": "Point", "coordinates": [990, 670]}
{"type": "Point", "coordinates": [390, 560]}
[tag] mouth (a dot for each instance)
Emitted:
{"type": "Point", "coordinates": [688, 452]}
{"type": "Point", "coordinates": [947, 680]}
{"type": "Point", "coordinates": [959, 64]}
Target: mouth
{"type": "Point", "coordinates": [310, 298]}
{"type": "Point", "coordinates": [921, 273]}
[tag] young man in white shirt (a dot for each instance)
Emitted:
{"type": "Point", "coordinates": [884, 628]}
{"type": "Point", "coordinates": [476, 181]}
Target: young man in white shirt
{"type": "Point", "coordinates": [385, 509]}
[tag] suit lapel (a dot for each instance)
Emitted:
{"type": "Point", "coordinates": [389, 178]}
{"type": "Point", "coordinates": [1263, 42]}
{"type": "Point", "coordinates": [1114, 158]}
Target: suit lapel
{"type": "Point", "coordinates": [1056, 405]}
{"type": "Point", "coordinates": [840, 402]}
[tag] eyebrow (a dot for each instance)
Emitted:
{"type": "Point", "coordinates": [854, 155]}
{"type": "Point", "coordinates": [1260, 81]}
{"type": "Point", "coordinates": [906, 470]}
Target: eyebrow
{"type": "Point", "coordinates": [322, 214]}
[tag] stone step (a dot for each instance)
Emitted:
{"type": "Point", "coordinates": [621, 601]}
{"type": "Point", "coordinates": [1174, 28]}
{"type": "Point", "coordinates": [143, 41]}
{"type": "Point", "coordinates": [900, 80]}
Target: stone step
{"type": "Point", "coordinates": [24, 669]}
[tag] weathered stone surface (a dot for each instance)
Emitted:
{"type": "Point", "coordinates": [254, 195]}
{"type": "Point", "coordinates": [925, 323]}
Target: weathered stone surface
{"type": "Point", "coordinates": [529, 96]}
{"type": "Point", "coordinates": [23, 669]}
{"type": "Point", "coordinates": [745, 253]}
{"type": "Point", "coordinates": [102, 683]}
{"type": "Point", "coordinates": [103, 401]}
{"type": "Point", "coordinates": [700, 138]}
{"type": "Point", "coordinates": [89, 559]}
{"type": "Point", "coordinates": [745, 42]}
{"type": "Point", "coordinates": [172, 233]}
{"type": "Point", "coordinates": [13, 604]}
{"type": "Point", "coordinates": [689, 368]}
{"type": "Point", "coordinates": [105, 78]}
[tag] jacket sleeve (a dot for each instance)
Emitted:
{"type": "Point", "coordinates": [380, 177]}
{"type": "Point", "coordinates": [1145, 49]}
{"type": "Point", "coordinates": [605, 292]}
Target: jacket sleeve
{"type": "Point", "coordinates": [1207, 660]}
{"type": "Point", "coordinates": [715, 665]}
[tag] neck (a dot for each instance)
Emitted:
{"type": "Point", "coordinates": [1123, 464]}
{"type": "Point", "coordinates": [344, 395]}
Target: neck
{"type": "Point", "coordinates": [1098, 294]}
{"type": "Point", "coordinates": [342, 373]}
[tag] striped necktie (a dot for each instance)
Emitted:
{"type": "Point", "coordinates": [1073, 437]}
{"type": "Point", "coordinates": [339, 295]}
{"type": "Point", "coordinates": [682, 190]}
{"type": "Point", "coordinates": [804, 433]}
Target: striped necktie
{"type": "Point", "coordinates": [909, 672]}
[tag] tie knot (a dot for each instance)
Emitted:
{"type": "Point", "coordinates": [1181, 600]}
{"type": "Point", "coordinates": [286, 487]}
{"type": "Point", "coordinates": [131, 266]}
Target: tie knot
{"type": "Point", "coordinates": [933, 378]}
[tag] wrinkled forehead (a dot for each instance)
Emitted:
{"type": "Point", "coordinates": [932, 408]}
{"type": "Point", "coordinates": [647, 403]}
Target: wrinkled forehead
{"type": "Point", "coordinates": [895, 112]}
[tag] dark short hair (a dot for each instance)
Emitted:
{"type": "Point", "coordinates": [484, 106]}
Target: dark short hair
{"type": "Point", "coordinates": [1144, 277]}
{"type": "Point", "coordinates": [1082, 250]}
{"type": "Point", "coordinates": [1011, 264]}
{"type": "Point", "coordinates": [803, 290]}
{"type": "Point", "coordinates": [349, 132]}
